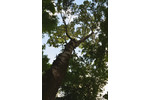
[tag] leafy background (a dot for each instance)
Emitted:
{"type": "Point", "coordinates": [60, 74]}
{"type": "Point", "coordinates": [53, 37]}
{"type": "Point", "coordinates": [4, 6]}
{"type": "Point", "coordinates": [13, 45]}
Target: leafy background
{"type": "Point", "coordinates": [88, 70]}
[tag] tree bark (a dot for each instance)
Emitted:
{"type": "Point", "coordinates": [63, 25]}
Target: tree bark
{"type": "Point", "coordinates": [53, 78]}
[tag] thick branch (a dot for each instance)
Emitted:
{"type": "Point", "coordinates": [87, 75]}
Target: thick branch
{"type": "Point", "coordinates": [84, 38]}
{"type": "Point", "coordinates": [65, 27]}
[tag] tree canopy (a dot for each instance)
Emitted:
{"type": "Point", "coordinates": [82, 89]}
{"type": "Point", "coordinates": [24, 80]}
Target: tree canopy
{"type": "Point", "coordinates": [87, 72]}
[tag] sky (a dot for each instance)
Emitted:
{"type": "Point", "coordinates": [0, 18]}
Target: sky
{"type": "Point", "coordinates": [129, 56]}
{"type": "Point", "coordinates": [52, 52]}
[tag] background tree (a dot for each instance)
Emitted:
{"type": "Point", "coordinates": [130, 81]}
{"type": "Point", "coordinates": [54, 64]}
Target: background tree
{"type": "Point", "coordinates": [49, 23]}
{"type": "Point", "coordinates": [87, 74]}
{"type": "Point", "coordinates": [49, 20]}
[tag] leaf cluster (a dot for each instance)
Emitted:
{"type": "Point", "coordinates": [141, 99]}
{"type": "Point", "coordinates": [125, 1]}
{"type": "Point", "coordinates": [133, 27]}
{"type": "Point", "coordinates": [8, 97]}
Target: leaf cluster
{"type": "Point", "coordinates": [87, 73]}
{"type": "Point", "coordinates": [45, 61]}
{"type": "Point", "coordinates": [49, 20]}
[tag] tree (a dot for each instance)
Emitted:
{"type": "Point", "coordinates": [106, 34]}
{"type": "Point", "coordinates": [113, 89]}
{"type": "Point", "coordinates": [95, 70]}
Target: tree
{"type": "Point", "coordinates": [49, 20]}
{"type": "Point", "coordinates": [88, 30]}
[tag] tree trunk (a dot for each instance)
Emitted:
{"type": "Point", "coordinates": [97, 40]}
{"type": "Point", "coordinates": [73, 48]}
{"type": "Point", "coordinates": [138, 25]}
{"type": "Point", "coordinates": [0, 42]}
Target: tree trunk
{"type": "Point", "coordinates": [53, 78]}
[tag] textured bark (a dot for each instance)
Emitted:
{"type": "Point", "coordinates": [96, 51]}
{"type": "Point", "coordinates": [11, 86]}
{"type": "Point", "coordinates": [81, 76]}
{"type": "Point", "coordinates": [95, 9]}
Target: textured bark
{"type": "Point", "coordinates": [53, 78]}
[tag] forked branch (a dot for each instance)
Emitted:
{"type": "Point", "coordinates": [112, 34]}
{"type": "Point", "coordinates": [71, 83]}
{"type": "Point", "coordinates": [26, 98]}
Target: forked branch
{"type": "Point", "coordinates": [66, 27]}
{"type": "Point", "coordinates": [86, 37]}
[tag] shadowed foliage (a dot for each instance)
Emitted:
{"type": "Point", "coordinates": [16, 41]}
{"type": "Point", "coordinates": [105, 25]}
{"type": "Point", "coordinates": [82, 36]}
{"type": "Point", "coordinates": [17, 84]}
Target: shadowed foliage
{"type": "Point", "coordinates": [79, 75]}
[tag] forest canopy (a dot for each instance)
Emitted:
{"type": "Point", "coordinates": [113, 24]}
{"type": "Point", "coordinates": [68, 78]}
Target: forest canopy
{"type": "Point", "coordinates": [69, 26]}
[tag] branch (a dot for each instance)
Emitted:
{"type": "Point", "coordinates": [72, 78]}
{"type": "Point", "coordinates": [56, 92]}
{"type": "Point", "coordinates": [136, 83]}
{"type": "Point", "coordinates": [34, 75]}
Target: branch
{"type": "Point", "coordinates": [65, 27]}
{"type": "Point", "coordinates": [86, 37]}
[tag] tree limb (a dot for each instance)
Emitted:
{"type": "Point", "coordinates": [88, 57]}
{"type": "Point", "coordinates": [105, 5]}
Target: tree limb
{"type": "Point", "coordinates": [63, 18]}
{"type": "Point", "coordinates": [86, 37]}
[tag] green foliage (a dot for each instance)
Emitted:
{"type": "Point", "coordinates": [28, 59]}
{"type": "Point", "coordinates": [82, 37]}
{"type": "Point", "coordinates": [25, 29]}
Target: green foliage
{"type": "Point", "coordinates": [58, 37]}
{"type": "Point", "coordinates": [48, 5]}
{"type": "Point", "coordinates": [64, 4]}
{"type": "Point", "coordinates": [79, 26]}
{"type": "Point", "coordinates": [87, 73]}
{"type": "Point", "coordinates": [84, 80]}
{"type": "Point", "coordinates": [106, 96]}
{"type": "Point", "coordinates": [49, 21]}
{"type": "Point", "coordinates": [45, 61]}
{"type": "Point", "coordinates": [45, 64]}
